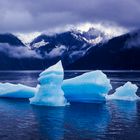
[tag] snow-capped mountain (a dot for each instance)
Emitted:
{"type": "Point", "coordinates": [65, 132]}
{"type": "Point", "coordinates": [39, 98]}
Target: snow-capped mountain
{"type": "Point", "coordinates": [75, 43]}
{"type": "Point", "coordinates": [66, 44]}
{"type": "Point", "coordinates": [90, 49]}
{"type": "Point", "coordinates": [92, 36]}
{"type": "Point", "coordinates": [121, 52]}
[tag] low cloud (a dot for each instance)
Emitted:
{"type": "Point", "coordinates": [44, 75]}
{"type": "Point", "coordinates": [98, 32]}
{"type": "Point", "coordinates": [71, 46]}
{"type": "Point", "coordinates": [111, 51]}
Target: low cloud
{"type": "Point", "coordinates": [134, 40]}
{"type": "Point", "coordinates": [56, 52]}
{"type": "Point", "coordinates": [25, 52]}
{"type": "Point", "coordinates": [18, 52]}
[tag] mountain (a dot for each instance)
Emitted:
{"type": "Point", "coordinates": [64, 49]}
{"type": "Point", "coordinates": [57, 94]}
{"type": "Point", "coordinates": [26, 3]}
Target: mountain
{"type": "Point", "coordinates": [10, 39]}
{"type": "Point", "coordinates": [77, 50]}
{"type": "Point", "coordinates": [121, 52]}
{"type": "Point", "coordinates": [93, 36]}
{"type": "Point", "coordinates": [69, 38]}
{"type": "Point", "coordinates": [69, 46]}
{"type": "Point", "coordinates": [14, 55]}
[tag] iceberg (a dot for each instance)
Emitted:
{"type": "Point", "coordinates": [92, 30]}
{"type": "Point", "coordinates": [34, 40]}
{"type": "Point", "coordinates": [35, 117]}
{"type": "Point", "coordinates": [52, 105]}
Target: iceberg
{"type": "Point", "coordinates": [125, 92]}
{"type": "Point", "coordinates": [49, 91]}
{"type": "Point", "coordinates": [88, 87]}
{"type": "Point", "coordinates": [16, 90]}
{"type": "Point", "coordinates": [52, 90]}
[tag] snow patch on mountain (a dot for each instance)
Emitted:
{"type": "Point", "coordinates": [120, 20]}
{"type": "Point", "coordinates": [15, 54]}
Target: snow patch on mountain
{"type": "Point", "coordinates": [56, 52]}
{"type": "Point", "coordinates": [39, 44]}
{"type": "Point", "coordinates": [96, 40]}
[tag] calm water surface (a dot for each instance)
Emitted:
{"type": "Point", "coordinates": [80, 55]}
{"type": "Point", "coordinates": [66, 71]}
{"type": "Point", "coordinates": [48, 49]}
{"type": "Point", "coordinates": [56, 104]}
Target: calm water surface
{"type": "Point", "coordinates": [114, 120]}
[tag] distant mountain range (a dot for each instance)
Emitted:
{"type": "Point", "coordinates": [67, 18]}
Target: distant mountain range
{"type": "Point", "coordinates": [121, 52]}
{"type": "Point", "coordinates": [77, 50]}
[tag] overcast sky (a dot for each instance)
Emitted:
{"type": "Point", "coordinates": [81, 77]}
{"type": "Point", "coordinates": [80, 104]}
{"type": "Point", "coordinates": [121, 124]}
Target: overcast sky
{"type": "Point", "coordinates": [40, 15]}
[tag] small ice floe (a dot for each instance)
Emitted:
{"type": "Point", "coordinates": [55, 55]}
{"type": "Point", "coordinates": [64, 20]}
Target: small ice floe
{"type": "Point", "coordinates": [16, 90]}
{"type": "Point", "coordinates": [126, 92]}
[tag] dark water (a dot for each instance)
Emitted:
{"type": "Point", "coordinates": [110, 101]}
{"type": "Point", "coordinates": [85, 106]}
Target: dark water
{"type": "Point", "coordinates": [114, 120]}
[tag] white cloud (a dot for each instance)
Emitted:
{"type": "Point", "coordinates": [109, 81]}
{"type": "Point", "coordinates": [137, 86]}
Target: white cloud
{"type": "Point", "coordinates": [110, 29]}
{"type": "Point", "coordinates": [27, 37]}
{"type": "Point", "coordinates": [18, 52]}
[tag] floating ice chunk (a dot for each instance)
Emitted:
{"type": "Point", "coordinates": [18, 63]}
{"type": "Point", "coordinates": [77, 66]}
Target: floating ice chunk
{"type": "Point", "coordinates": [88, 87]}
{"type": "Point", "coordinates": [16, 90]}
{"type": "Point", "coordinates": [125, 92]}
{"type": "Point", "coordinates": [50, 92]}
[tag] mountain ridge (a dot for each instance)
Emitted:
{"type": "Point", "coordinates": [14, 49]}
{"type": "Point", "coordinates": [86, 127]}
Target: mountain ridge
{"type": "Point", "coordinates": [76, 52]}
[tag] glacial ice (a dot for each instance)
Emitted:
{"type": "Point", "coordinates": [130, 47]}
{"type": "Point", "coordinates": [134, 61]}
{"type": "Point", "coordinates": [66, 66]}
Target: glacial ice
{"type": "Point", "coordinates": [88, 87]}
{"type": "Point", "coordinates": [49, 91]}
{"type": "Point", "coordinates": [16, 90]}
{"type": "Point", "coordinates": [125, 92]}
{"type": "Point", "coordinates": [52, 90]}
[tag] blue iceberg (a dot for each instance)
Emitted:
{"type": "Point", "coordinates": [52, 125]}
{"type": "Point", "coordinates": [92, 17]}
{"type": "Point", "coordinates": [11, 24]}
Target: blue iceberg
{"type": "Point", "coordinates": [91, 87]}
{"type": "Point", "coordinates": [88, 87]}
{"type": "Point", "coordinates": [16, 90]}
{"type": "Point", "coordinates": [49, 91]}
{"type": "Point", "coordinates": [53, 91]}
{"type": "Point", "coordinates": [125, 92]}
